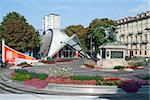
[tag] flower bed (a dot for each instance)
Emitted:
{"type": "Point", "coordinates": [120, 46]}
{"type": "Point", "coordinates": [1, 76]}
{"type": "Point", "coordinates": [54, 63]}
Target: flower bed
{"type": "Point", "coordinates": [86, 77]}
{"type": "Point", "coordinates": [130, 86]}
{"type": "Point", "coordinates": [24, 64]}
{"type": "Point", "coordinates": [110, 81]}
{"type": "Point", "coordinates": [132, 67]}
{"type": "Point", "coordinates": [47, 62]}
{"type": "Point", "coordinates": [89, 66]}
{"type": "Point", "coordinates": [21, 75]}
{"type": "Point", "coordinates": [53, 61]}
{"type": "Point", "coordinates": [136, 64]}
{"type": "Point", "coordinates": [37, 83]}
{"type": "Point", "coordinates": [63, 60]}
{"type": "Point", "coordinates": [118, 67]}
{"type": "Point", "coordinates": [61, 80]}
{"type": "Point", "coordinates": [60, 72]}
{"type": "Point", "coordinates": [41, 80]}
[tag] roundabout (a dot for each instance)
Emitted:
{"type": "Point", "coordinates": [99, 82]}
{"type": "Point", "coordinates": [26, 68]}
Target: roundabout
{"type": "Point", "coordinates": [18, 87]}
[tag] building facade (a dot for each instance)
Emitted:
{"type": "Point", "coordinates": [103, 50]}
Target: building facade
{"type": "Point", "coordinates": [135, 33]}
{"type": "Point", "coordinates": [51, 21]}
{"type": "Point", "coordinates": [56, 44]}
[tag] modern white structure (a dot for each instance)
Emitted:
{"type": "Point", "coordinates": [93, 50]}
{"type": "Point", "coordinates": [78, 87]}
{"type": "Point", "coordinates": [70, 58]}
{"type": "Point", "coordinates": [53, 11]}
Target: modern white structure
{"type": "Point", "coordinates": [135, 33]}
{"type": "Point", "coordinates": [51, 21]}
{"type": "Point", "coordinates": [56, 44]}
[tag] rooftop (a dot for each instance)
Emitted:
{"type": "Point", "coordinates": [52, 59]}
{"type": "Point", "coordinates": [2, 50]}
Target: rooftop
{"type": "Point", "coordinates": [134, 18]}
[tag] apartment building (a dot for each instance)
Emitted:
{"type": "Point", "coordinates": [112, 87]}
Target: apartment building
{"type": "Point", "coordinates": [135, 33]}
{"type": "Point", "coordinates": [51, 21]}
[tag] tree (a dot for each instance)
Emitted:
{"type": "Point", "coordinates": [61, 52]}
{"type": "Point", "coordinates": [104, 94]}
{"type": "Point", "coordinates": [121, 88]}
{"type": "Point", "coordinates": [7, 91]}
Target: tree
{"type": "Point", "coordinates": [96, 33]}
{"type": "Point", "coordinates": [18, 33]}
{"type": "Point", "coordinates": [80, 31]}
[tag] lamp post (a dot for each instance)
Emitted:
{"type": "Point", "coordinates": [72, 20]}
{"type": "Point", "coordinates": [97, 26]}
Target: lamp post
{"type": "Point", "coordinates": [91, 45]}
{"type": "Point", "coordinates": [147, 59]}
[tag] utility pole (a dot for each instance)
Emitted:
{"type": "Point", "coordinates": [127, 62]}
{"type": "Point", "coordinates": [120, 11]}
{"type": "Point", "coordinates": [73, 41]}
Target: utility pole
{"type": "Point", "coordinates": [91, 47]}
{"type": "Point", "coordinates": [3, 50]}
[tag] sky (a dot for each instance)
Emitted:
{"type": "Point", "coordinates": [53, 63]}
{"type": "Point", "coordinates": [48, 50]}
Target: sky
{"type": "Point", "coordinates": [73, 12]}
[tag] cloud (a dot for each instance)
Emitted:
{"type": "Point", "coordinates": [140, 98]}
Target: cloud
{"type": "Point", "coordinates": [141, 7]}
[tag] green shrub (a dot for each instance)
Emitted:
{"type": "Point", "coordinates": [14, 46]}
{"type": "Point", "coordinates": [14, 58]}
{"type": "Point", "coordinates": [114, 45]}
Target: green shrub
{"type": "Point", "coordinates": [118, 67]}
{"type": "Point", "coordinates": [31, 74]}
{"type": "Point", "coordinates": [21, 77]}
{"type": "Point", "coordinates": [39, 76]}
{"type": "Point", "coordinates": [109, 83]}
{"type": "Point", "coordinates": [23, 63]}
{"type": "Point", "coordinates": [50, 60]}
{"type": "Point", "coordinates": [147, 78]}
{"type": "Point", "coordinates": [136, 63]}
{"type": "Point", "coordinates": [140, 64]}
{"type": "Point", "coordinates": [82, 78]}
{"type": "Point", "coordinates": [86, 77]}
{"type": "Point", "coordinates": [131, 64]}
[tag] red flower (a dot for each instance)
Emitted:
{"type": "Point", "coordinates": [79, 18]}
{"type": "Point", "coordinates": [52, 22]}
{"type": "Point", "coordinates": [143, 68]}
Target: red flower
{"type": "Point", "coordinates": [61, 80]}
{"type": "Point", "coordinates": [112, 79]}
{"type": "Point", "coordinates": [130, 86]}
{"type": "Point", "coordinates": [37, 83]}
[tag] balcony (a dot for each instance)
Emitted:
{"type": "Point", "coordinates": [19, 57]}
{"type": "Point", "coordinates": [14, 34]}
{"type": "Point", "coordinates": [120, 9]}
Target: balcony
{"type": "Point", "coordinates": [144, 42]}
{"type": "Point", "coordinates": [134, 42]}
{"type": "Point", "coordinates": [130, 33]}
{"type": "Point", "coordinates": [129, 42]}
{"type": "Point", "coordinates": [139, 32]}
{"type": "Point", "coordinates": [122, 35]}
{"type": "Point", "coordinates": [126, 43]}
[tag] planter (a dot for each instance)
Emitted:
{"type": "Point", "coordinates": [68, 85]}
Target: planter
{"type": "Point", "coordinates": [91, 89]}
{"type": "Point", "coordinates": [84, 89]}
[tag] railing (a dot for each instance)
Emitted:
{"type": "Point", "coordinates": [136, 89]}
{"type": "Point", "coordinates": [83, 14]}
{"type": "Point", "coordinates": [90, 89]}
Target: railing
{"type": "Point", "coordinates": [144, 42]}
{"type": "Point", "coordinates": [130, 33]}
{"type": "Point", "coordinates": [134, 42]}
{"type": "Point", "coordinates": [139, 32]}
{"type": "Point", "coordinates": [122, 35]}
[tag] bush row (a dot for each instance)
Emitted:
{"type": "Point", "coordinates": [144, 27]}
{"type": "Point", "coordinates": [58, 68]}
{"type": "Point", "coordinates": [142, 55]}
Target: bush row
{"type": "Point", "coordinates": [22, 74]}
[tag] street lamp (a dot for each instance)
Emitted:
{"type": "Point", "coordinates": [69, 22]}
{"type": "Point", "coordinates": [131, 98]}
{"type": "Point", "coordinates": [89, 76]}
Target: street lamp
{"type": "Point", "coordinates": [90, 36]}
{"type": "Point", "coordinates": [147, 59]}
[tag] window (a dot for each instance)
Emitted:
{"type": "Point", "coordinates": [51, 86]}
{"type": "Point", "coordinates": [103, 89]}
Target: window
{"type": "Point", "coordinates": [116, 54]}
{"type": "Point", "coordinates": [103, 54]}
{"type": "Point", "coordinates": [136, 52]}
{"type": "Point", "coordinates": [145, 53]}
{"type": "Point", "coordinates": [140, 52]}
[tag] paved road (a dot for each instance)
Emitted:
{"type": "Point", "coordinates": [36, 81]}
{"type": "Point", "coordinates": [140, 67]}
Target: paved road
{"type": "Point", "coordinates": [61, 97]}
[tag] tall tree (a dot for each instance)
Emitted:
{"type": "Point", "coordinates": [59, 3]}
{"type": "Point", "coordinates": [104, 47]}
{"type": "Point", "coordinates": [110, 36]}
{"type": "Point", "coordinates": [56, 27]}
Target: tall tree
{"type": "Point", "coordinates": [96, 33]}
{"type": "Point", "coordinates": [80, 31]}
{"type": "Point", "coordinates": [18, 33]}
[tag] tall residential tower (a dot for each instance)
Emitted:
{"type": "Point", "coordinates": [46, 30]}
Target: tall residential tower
{"type": "Point", "coordinates": [51, 21]}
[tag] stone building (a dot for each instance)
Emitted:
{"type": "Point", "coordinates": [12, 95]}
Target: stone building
{"type": "Point", "coordinates": [135, 33]}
